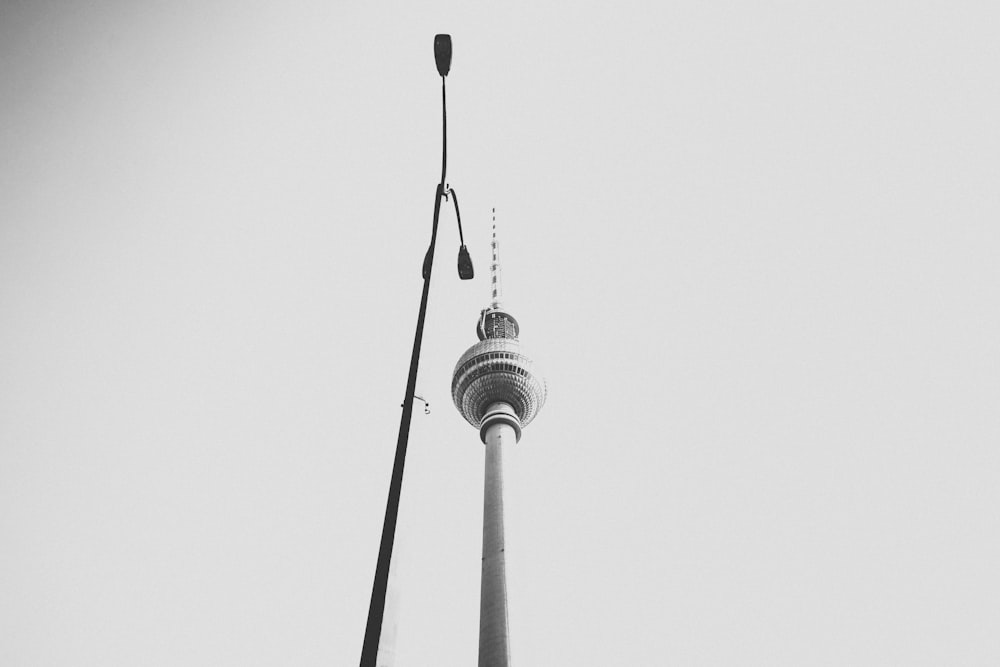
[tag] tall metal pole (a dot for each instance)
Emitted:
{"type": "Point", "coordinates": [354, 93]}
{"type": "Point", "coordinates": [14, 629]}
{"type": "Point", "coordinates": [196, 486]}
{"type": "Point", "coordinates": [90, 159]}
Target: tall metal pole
{"type": "Point", "coordinates": [376, 609]}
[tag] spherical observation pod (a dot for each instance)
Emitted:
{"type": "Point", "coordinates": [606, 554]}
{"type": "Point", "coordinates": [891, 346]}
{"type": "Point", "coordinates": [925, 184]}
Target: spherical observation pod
{"type": "Point", "coordinates": [497, 370]}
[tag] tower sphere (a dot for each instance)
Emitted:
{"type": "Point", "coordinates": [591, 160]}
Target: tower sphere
{"type": "Point", "coordinates": [497, 370]}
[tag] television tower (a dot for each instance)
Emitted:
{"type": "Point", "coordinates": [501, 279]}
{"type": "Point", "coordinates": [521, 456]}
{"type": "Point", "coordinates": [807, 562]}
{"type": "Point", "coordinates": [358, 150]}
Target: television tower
{"type": "Point", "coordinates": [498, 390]}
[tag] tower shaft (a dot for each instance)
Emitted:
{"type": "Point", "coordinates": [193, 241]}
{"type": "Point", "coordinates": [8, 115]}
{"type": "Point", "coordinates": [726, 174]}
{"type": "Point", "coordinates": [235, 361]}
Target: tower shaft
{"type": "Point", "coordinates": [494, 640]}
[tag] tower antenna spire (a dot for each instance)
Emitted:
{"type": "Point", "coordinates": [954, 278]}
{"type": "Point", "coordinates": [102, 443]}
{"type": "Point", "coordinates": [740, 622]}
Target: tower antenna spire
{"type": "Point", "coordinates": [495, 282]}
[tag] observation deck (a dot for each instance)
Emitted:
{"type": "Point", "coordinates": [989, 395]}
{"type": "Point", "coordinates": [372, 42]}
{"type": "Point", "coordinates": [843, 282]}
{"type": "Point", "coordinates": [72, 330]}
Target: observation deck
{"type": "Point", "coordinates": [497, 370]}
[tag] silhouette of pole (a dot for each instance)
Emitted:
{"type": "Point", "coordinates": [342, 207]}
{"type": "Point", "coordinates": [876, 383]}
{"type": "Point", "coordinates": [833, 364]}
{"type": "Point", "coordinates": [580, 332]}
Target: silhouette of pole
{"type": "Point", "coordinates": [376, 609]}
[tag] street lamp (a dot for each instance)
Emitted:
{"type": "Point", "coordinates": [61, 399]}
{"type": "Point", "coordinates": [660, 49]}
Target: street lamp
{"type": "Point", "coordinates": [376, 609]}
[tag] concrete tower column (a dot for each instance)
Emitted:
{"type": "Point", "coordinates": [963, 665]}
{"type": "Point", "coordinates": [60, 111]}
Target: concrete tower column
{"type": "Point", "coordinates": [494, 640]}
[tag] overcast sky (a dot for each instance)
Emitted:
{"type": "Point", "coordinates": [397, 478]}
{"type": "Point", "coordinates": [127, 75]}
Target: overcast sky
{"type": "Point", "coordinates": [753, 247]}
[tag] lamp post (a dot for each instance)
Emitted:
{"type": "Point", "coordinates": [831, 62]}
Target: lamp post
{"type": "Point", "coordinates": [376, 609]}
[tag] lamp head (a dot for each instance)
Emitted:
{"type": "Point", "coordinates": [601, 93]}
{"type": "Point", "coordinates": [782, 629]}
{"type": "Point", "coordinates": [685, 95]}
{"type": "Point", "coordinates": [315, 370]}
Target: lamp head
{"type": "Point", "coordinates": [442, 53]}
{"type": "Point", "coordinates": [465, 270]}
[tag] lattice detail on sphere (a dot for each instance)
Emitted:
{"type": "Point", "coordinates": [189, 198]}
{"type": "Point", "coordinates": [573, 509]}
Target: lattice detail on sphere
{"type": "Point", "coordinates": [497, 370]}
{"type": "Point", "coordinates": [496, 324]}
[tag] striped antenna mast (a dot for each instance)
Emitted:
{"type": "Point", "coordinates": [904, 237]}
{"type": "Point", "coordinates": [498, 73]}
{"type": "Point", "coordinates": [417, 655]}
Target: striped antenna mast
{"type": "Point", "coordinates": [495, 283]}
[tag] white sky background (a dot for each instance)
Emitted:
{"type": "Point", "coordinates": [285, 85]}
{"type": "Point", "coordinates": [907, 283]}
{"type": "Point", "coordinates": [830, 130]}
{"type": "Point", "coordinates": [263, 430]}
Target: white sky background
{"type": "Point", "coordinates": [752, 245]}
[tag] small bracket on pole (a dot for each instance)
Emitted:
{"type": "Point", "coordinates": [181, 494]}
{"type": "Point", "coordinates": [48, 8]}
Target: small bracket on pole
{"type": "Point", "coordinates": [427, 406]}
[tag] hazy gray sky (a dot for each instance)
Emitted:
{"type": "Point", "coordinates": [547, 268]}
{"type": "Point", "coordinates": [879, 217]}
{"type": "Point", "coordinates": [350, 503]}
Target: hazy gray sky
{"type": "Point", "coordinates": [753, 246]}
